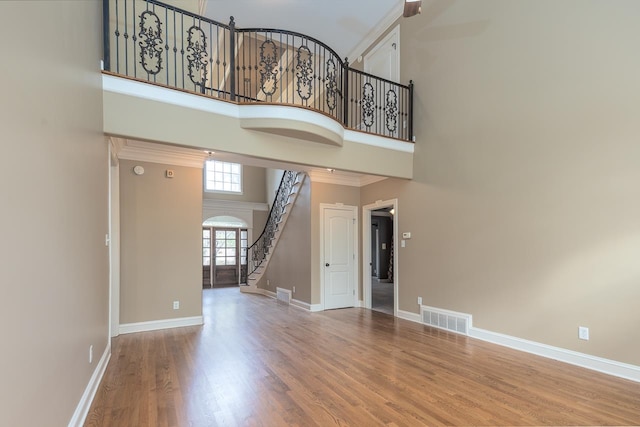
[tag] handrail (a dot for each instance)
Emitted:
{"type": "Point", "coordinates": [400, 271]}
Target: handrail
{"type": "Point", "coordinates": [152, 41]}
{"type": "Point", "coordinates": [257, 252]}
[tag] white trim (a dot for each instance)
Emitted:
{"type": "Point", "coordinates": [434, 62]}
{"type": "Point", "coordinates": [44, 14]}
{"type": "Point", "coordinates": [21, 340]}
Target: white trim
{"type": "Point", "coordinates": [143, 151]}
{"type": "Point", "coordinates": [168, 96]}
{"type": "Point", "coordinates": [267, 293]}
{"type": "Point", "coordinates": [378, 30]}
{"type": "Point", "coordinates": [301, 304]}
{"type": "Point", "coordinates": [606, 366]}
{"type": "Point", "coordinates": [412, 317]}
{"type": "Point", "coordinates": [321, 261]}
{"type": "Point", "coordinates": [281, 120]}
{"type": "Point", "coordinates": [378, 141]}
{"type": "Point", "coordinates": [82, 410]}
{"type": "Point", "coordinates": [343, 178]}
{"type": "Point", "coordinates": [215, 106]}
{"type": "Point", "coordinates": [366, 254]}
{"type": "Point", "coordinates": [233, 204]}
{"type": "Point", "coordinates": [154, 325]}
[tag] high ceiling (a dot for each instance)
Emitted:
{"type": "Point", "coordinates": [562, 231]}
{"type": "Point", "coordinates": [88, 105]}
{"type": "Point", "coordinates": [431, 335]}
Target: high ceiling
{"type": "Point", "coordinates": [341, 24]}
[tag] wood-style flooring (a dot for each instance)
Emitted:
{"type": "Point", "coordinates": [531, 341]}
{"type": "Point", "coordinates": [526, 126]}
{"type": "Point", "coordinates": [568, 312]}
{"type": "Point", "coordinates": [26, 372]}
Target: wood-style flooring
{"type": "Point", "coordinates": [259, 363]}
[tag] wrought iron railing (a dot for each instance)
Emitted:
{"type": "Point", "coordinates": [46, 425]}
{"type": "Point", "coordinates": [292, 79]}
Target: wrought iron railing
{"type": "Point", "coordinates": [162, 44]}
{"type": "Point", "coordinates": [258, 251]}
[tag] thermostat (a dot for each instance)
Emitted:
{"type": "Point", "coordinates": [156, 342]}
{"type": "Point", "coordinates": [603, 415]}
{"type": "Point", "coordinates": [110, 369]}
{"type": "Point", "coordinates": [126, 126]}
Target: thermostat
{"type": "Point", "coordinates": [138, 170]}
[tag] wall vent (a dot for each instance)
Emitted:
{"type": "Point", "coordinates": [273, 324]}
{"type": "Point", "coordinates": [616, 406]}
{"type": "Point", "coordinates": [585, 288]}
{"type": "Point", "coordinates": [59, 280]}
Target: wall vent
{"type": "Point", "coordinates": [445, 319]}
{"type": "Point", "coordinates": [283, 296]}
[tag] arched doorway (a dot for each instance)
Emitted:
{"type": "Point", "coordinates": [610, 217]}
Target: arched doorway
{"type": "Point", "coordinates": [224, 251]}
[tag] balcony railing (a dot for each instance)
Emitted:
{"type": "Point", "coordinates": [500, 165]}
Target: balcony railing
{"type": "Point", "coordinates": [162, 44]}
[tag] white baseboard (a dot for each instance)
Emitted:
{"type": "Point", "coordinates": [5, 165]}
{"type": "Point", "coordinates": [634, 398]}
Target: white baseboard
{"type": "Point", "coordinates": [154, 325]}
{"type": "Point", "coordinates": [606, 366]}
{"type": "Point", "coordinates": [82, 410]}
{"type": "Point", "coordinates": [267, 293]}
{"type": "Point", "coordinates": [301, 304]}
{"type": "Point", "coordinates": [314, 308]}
{"type": "Point", "coordinates": [407, 315]}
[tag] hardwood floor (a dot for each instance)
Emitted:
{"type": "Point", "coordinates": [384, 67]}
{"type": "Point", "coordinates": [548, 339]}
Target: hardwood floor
{"type": "Point", "coordinates": [256, 362]}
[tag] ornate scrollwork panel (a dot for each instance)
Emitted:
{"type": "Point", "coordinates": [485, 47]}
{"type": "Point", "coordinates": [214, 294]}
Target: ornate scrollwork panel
{"type": "Point", "coordinates": [197, 55]}
{"type": "Point", "coordinates": [268, 67]}
{"type": "Point", "coordinates": [331, 84]}
{"type": "Point", "coordinates": [304, 72]}
{"type": "Point", "coordinates": [368, 104]}
{"type": "Point", "coordinates": [391, 111]}
{"type": "Point", "coordinates": [150, 42]}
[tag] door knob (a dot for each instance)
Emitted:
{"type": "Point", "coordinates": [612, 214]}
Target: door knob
{"type": "Point", "coordinates": [326, 265]}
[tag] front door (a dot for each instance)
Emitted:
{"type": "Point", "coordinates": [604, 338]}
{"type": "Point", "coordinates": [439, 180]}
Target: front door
{"type": "Point", "coordinates": [339, 257]}
{"type": "Point", "coordinates": [224, 260]}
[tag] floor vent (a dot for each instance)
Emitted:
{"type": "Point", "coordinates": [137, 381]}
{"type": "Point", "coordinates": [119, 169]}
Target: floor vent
{"type": "Point", "coordinates": [445, 319]}
{"type": "Point", "coordinates": [283, 296]}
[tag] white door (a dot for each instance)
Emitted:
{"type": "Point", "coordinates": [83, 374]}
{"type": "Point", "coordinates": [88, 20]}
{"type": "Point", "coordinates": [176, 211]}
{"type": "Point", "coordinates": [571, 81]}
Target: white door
{"type": "Point", "coordinates": [339, 258]}
{"type": "Point", "coordinates": [384, 61]}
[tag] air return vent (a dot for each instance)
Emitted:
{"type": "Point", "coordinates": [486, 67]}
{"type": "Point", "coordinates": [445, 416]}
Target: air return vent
{"type": "Point", "coordinates": [445, 319]}
{"type": "Point", "coordinates": [283, 296]}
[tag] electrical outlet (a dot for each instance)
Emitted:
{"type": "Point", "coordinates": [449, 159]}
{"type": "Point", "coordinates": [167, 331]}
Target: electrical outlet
{"type": "Point", "coordinates": [176, 305]}
{"type": "Point", "coordinates": [419, 300]}
{"type": "Point", "coordinates": [583, 333]}
{"type": "Point", "coordinates": [90, 353]}
{"type": "Point", "coordinates": [294, 289]}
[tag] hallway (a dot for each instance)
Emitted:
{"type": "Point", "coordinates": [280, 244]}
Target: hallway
{"type": "Point", "coordinates": [256, 362]}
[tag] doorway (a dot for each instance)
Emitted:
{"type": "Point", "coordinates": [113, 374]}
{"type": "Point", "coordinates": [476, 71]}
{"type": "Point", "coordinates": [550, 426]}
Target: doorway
{"type": "Point", "coordinates": [338, 273]}
{"type": "Point", "coordinates": [380, 278]}
{"type": "Point", "coordinates": [224, 256]}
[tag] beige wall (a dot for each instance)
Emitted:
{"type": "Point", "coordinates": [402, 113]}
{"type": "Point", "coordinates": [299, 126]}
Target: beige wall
{"type": "Point", "coordinates": [160, 220]}
{"type": "Point", "coordinates": [290, 263]}
{"type": "Point", "coordinates": [326, 193]}
{"type": "Point", "coordinates": [253, 187]}
{"type": "Point", "coordinates": [272, 182]}
{"type": "Point", "coordinates": [54, 275]}
{"type": "Point", "coordinates": [525, 205]}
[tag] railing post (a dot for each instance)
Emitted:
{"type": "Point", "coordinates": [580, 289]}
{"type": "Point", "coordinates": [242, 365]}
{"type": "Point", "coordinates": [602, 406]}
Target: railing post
{"type": "Point", "coordinates": [345, 96]}
{"type": "Point", "coordinates": [411, 138]}
{"type": "Point", "coordinates": [106, 60]}
{"type": "Point", "coordinates": [232, 59]}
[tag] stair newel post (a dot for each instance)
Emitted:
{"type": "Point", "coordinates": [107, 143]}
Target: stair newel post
{"type": "Point", "coordinates": [106, 60]}
{"type": "Point", "coordinates": [345, 97]}
{"type": "Point", "coordinates": [232, 59]}
{"type": "Point", "coordinates": [411, 110]}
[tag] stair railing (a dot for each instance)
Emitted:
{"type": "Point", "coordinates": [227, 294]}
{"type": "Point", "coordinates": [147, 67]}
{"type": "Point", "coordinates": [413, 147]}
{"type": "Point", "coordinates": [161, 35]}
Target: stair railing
{"type": "Point", "coordinates": [151, 41]}
{"type": "Point", "coordinates": [258, 251]}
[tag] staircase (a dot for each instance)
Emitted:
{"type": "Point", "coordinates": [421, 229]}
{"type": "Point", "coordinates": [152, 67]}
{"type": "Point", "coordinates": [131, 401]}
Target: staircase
{"type": "Point", "coordinates": [260, 252]}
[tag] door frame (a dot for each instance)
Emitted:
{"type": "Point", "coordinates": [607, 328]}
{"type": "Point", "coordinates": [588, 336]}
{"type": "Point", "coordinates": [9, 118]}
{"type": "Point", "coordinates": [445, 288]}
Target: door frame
{"type": "Point", "coordinates": [366, 256]}
{"type": "Point", "coordinates": [394, 37]}
{"type": "Point", "coordinates": [356, 281]}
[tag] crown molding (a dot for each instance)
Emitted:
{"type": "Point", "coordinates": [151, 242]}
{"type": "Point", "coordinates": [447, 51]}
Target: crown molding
{"type": "Point", "coordinates": [342, 178]}
{"type": "Point", "coordinates": [158, 153]}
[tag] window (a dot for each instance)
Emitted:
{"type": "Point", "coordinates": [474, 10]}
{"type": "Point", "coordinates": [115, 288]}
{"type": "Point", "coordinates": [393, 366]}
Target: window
{"type": "Point", "coordinates": [226, 247]}
{"type": "Point", "coordinates": [222, 176]}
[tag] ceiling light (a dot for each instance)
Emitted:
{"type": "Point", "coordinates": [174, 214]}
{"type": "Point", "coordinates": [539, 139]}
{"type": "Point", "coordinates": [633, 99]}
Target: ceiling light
{"type": "Point", "coordinates": [412, 8]}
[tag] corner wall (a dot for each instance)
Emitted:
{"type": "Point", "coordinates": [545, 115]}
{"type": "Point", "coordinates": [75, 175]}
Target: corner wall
{"type": "Point", "coordinates": [289, 265]}
{"type": "Point", "coordinates": [525, 204]}
{"type": "Point", "coordinates": [54, 216]}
